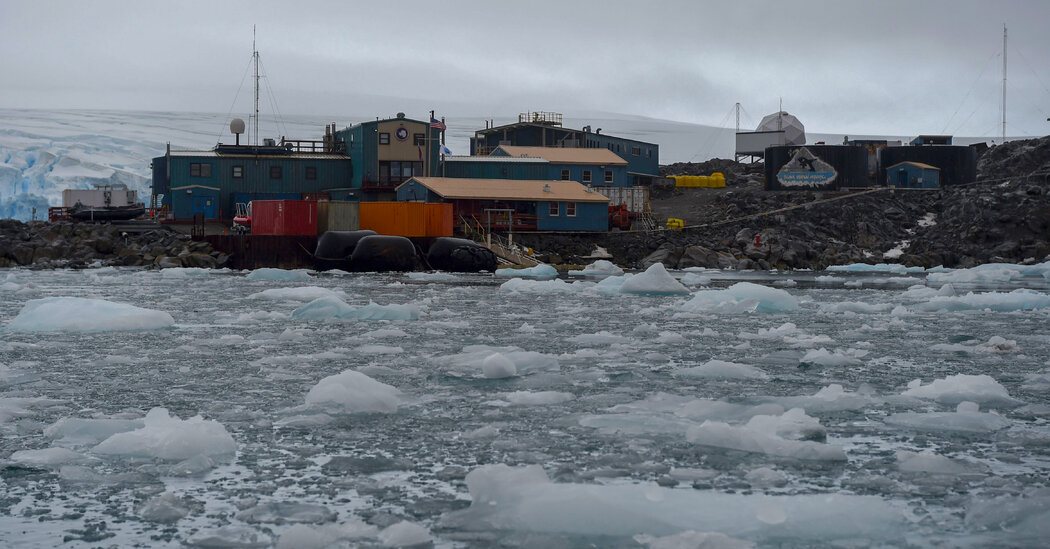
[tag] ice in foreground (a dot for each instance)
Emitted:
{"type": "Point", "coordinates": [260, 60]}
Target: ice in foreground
{"type": "Point", "coordinates": [523, 499]}
{"type": "Point", "coordinates": [742, 297]}
{"type": "Point", "coordinates": [79, 314]}
{"type": "Point", "coordinates": [167, 437]}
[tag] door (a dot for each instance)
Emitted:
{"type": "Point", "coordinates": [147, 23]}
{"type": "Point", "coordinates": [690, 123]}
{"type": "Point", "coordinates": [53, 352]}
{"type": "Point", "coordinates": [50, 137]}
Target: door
{"type": "Point", "coordinates": [205, 205]}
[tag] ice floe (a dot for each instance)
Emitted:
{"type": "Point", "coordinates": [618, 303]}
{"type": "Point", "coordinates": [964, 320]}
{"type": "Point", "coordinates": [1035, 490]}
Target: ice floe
{"type": "Point", "coordinates": [541, 272]}
{"type": "Point", "coordinates": [353, 392]}
{"type": "Point", "coordinates": [742, 297]}
{"type": "Point", "coordinates": [332, 307]}
{"type": "Point", "coordinates": [954, 389]}
{"type": "Point", "coordinates": [654, 281]}
{"type": "Point", "coordinates": [721, 369]}
{"type": "Point", "coordinates": [495, 362]}
{"type": "Point", "coordinates": [80, 314]}
{"type": "Point", "coordinates": [167, 437]}
{"type": "Point", "coordinates": [599, 268]}
{"type": "Point", "coordinates": [1021, 299]}
{"type": "Point", "coordinates": [966, 419]}
{"type": "Point", "coordinates": [268, 273]}
{"type": "Point", "coordinates": [302, 293]}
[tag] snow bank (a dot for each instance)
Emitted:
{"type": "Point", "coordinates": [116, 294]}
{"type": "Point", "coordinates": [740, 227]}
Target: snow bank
{"type": "Point", "coordinates": [541, 272]}
{"type": "Point", "coordinates": [742, 297]}
{"type": "Point", "coordinates": [1018, 300]}
{"type": "Point", "coordinates": [303, 293]}
{"type": "Point", "coordinates": [600, 268]}
{"type": "Point", "coordinates": [522, 499]}
{"type": "Point", "coordinates": [167, 437]}
{"type": "Point", "coordinates": [981, 389]}
{"type": "Point", "coordinates": [721, 369]}
{"type": "Point", "coordinates": [267, 273]}
{"type": "Point", "coordinates": [79, 314]}
{"type": "Point", "coordinates": [495, 362]}
{"type": "Point", "coordinates": [966, 419]}
{"type": "Point", "coordinates": [332, 307]}
{"type": "Point", "coordinates": [354, 392]}
{"type": "Point", "coordinates": [654, 281]}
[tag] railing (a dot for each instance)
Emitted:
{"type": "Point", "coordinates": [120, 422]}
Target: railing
{"type": "Point", "coordinates": [540, 117]}
{"type": "Point", "coordinates": [504, 249]}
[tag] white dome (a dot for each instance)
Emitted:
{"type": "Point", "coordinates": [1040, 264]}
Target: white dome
{"type": "Point", "coordinates": [794, 131]}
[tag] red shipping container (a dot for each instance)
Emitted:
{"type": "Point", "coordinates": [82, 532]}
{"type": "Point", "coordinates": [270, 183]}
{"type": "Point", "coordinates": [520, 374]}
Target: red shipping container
{"type": "Point", "coordinates": [284, 217]}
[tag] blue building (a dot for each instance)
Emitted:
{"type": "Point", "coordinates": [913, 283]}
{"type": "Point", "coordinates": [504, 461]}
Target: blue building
{"type": "Point", "coordinates": [913, 175]}
{"type": "Point", "coordinates": [514, 204]}
{"type": "Point", "coordinates": [386, 153]}
{"type": "Point", "coordinates": [595, 167]}
{"type": "Point", "coordinates": [495, 167]}
{"type": "Point", "coordinates": [544, 129]}
{"type": "Point", "coordinates": [211, 182]}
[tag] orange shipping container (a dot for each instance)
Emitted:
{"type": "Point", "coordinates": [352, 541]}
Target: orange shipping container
{"type": "Point", "coordinates": [394, 218]}
{"type": "Point", "coordinates": [439, 219]}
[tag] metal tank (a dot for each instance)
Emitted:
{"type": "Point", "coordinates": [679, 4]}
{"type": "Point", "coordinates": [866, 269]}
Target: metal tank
{"type": "Point", "coordinates": [816, 168]}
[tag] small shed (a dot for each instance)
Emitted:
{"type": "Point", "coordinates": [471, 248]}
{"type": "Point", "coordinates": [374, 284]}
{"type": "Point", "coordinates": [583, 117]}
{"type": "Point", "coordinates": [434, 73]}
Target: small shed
{"type": "Point", "coordinates": [913, 175]}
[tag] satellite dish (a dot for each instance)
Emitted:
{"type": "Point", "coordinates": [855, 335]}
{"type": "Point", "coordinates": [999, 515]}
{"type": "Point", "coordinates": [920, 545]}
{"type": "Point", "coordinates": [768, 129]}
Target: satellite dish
{"type": "Point", "coordinates": [237, 126]}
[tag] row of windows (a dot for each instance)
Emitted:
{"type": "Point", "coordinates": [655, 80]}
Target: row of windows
{"type": "Point", "coordinates": [237, 172]}
{"type": "Point", "coordinates": [635, 151]}
{"type": "Point", "coordinates": [417, 139]}
{"type": "Point", "coordinates": [587, 176]}
{"type": "Point", "coordinates": [396, 173]}
{"type": "Point", "coordinates": [570, 209]}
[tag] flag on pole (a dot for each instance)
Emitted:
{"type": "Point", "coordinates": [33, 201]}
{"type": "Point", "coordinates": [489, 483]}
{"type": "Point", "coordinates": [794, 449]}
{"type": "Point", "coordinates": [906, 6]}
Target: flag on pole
{"type": "Point", "coordinates": [420, 152]}
{"type": "Point", "coordinates": [436, 124]}
{"type": "Point", "coordinates": [443, 150]}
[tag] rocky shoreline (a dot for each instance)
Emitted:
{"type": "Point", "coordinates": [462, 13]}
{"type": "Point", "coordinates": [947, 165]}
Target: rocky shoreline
{"type": "Point", "coordinates": [43, 245]}
{"type": "Point", "coordinates": [1004, 217]}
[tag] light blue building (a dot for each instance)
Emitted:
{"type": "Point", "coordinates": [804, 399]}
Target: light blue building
{"type": "Point", "coordinates": [913, 175]}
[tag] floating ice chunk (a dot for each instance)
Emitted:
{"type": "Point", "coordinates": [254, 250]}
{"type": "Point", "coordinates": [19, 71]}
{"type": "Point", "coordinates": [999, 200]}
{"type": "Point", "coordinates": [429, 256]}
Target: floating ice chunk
{"type": "Point", "coordinates": [995, 344]}
{"type": "Point", "coordinates": [691, 539]}
{"type": "Point", "coordinates": [78, 431]}
{"type": "Point", "coordinates": [611, 285]}
{"type": "Point", "coordinates": [471, 361]}
{"type": "Point", "coordinates": [967, 418]}
{"type": "Point", "coordinates": [541, 272]}
{"type": "Point", "coordinates": [877, 268]}
{"type": "Point", "coordinates": [332, 307]}
{"type": "Point", "coordinates": [538, 398]}
{"type": "Point", "coordinates": [833, 398]}
{"type": "Point", "coordinates": [764, 477]}
{"type": "Point", "coordinates": [231, 536]}
{"type": "Point", "coordinates": [930, 463]}
{"type": "Point", "coordinates": [184, 272]}
{"type": "Point", "coordinates": [654, 281]}
{"type": "Point", "coordinates": [599, 268]}
{"type": "Point", "coordinates": [1038, 381]}
{"type": "Point", "coordinates": [793, 424]}
{"type": "Point", "coordinates": [981, 389]}
{"type": "Point", "coordinates": [301, 536]}
{"type": "Point", "coordinates": [828, 359]}
{"type": "Point", "coordinates": [432, 277]}
{"type": "Point", "coordinates": [404, 534]}
{"type": "Point", "coordinates": [267, 273]}
{"type": "Point", "coordinates": [522, 499]}
{"type": "Point", "coordinates": [787, 283]}
{"type": "Point", "coordinates": [79, 314]}
{"type": "Point", "coordinates": [170, 438]}
{"type": "Point", "coordinates": [281, 512]}
{"type": "Point", "coordinates": [304, 293]}
{"type": "Point", "coordinates": [989, 272]}
{"type": "Point", "coordinates": [856, 307]}
{"type": "Point", "coordinates": [693, 279]}
{"type": "Point", "coordinates": [49, 457]}
{"type": "Point", "coordinates": [721, 369]}
{"type": "Point", "coordinates": [722, 435]}
{"type": "Point", "coordinates": [742, 297]}
{"type": "Point", "coordinates": [166, 508]}
{"type": "Point", "coordinates": [354, 392]}
{"type": "Point", "coordinates": [599, 338]}
{"type": "Point", "coordinates": [550, 286]}
{"type": "Point", "coordinates": [1023, 520]}
{"type": "Point", "coordinates": [379, 350]}
{"type": "Point", "coordinates": [1018, 300]}
{"type": "Point", "coordinates": [498, 366]}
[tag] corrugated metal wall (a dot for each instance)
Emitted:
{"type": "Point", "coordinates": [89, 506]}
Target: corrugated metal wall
{"type": "Point", "coordinates": [590, 216]}
{"type": "Point", "coordinates": [498, 170]}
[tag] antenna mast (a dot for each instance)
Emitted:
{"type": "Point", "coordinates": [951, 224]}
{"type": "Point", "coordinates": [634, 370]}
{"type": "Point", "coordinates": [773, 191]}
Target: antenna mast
{"type": "Point", "coordinates": [1004, 83]}
{"type": "Point", "coordinates": [255, 58]}
{"type": "Point", "coordinates": [738, 117]}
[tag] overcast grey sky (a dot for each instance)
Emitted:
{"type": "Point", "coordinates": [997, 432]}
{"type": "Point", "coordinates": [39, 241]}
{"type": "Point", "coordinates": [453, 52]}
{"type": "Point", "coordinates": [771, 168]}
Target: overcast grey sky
{"type": "Point", "coordinates": [872, 67]}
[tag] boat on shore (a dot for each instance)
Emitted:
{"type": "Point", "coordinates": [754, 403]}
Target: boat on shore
{"type": "Point", "coordinates": [81, 212]}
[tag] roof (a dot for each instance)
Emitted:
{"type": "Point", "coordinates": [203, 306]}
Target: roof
{"type": "Point", "coordinates": [916, 164]}
{"type": "Point", "coordinates": [300, 155]}
{"type": "Point", "coordinates": [509, 189]}
{"type": "Point", "coordinates": [499, 129]}
{"type": "Point", "coordinates": [495, 159]}
{"type": "Point", "coordinates": [566, 155]}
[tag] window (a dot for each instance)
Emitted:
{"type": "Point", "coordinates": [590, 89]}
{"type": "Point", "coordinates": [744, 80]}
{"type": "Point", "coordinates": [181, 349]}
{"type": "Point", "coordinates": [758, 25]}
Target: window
{"type": "Point", "coordinates": [275, 172]}
{"type": "Point", "coordinates": [384, 138]}
{"type": "Point", "coordinates": [311, 172]}
{"type": "Point", "coordinates": [636, 151]}
{"type": "Point", "coordinates": [648, 153]}
{"type": "Point", "coordinates": [565, 175]}
{"type": "Point", "coordinates": [570, 209]}
{"type": "Point", "coordinates": [200, 169]}
{"type": "Point", "coordinates": [608, 176]}
{"type": "Point", "coordinates": [554, 209]}
{"type": "Point", "coordinates": [395, 173]}
{"type": "Point", "coordinates": [419, 139]}
{"type": "Point", "coordinates": [238, 172]}
{"type": "Point", "coordinates": [586, 176]}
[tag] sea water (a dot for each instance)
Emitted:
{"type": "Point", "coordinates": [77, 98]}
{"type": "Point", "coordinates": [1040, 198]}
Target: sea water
{"type": "Point", "coordinates": [853, 408]}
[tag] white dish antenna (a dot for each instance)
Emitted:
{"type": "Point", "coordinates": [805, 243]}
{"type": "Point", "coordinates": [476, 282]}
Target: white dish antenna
{"type": "Point", "coordinates": [237, 126]}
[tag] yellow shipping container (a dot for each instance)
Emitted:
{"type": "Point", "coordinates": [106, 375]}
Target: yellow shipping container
{"type": "Point", "coordinates": [714, 181]}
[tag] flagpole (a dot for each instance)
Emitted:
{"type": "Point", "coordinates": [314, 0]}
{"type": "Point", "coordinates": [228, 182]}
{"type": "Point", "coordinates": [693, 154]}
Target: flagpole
{"type": "Point", "coordinates": [442, 156]}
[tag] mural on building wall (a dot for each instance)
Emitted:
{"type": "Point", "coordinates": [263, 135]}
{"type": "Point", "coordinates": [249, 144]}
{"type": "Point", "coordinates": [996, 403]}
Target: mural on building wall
{"type": "Point", "coordinates": [806, 170]}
